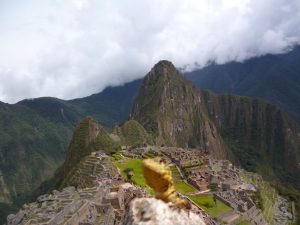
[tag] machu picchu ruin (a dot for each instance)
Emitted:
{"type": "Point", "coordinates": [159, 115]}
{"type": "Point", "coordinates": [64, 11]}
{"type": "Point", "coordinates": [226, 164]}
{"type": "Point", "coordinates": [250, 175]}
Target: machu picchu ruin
{"type": "Point", "coordinates": [98, 192]}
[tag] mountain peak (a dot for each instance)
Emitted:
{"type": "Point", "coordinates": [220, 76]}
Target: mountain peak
{"type": "Point", "coordinates": [163, 68]}
{"type": "Point", "coordinates": [176, 113]}
{"type": "Point", "coordinates": [164, 63]}
{"type": "Point", "coordinates": [167, 106]}
{"type": "Point", "coordinates": [88, 136]}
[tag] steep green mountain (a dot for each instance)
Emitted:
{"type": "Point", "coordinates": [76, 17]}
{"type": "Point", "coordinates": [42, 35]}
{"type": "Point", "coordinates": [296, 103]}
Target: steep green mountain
{"type": "Point", "coordinates": [255, 134]}
{"type": "Point", "coordinates": [275, 78]}
{"type": "Point", "coordinates": [88, 137]}
{"type": "Point", "coordinates": [132, 133]}
{"type": "Point", "coordinates": [35, 133]}
{"type": "Point", "coordinates": [169, 107]}
{"type": "Point", "coordinates": [31, 148]}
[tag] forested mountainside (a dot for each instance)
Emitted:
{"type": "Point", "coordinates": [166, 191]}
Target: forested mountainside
{"type": "Point", "coordinates": [274, 78]}
{"type": "Point", "coordinates": [35, 135]}
{"type": "Point", "coordinates": [257, 135]}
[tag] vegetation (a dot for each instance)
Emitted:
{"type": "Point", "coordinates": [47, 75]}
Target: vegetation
{"type": "Point", "coordinates": [244, 222]}
{"type": "Point", "coordinates": [150, 154]}
{"type": "Point", "coordinates": [6, 209]}
{"type": "Point", "coordinates": [35, 134]}
{"type": "Point", "coordinates": [104, 142]}
{"type": "Point", "coordinates": [274, 78]}
{"type": "Point", "coordinates": [265, 196]}
{"type": "Point", "coordinates": [134, 165]}
{"type": "Point", "coordinates": [116, 156]}
{"type": "Point", "coordinates": [132, 133]}
{"type": "Point", "coordinates": [207, 203]}
{"type": "Point", "coordinates": [261, 202]}
{"type": "Point", "coordinates": [111, 106]}
{"type": "Point", "coordinates": [252, 132]}
{"type": "Point", "coordinates": [293, 195]}
{"type": "Point", "coordinates": [129, 173]}
{"type": "Point", "coordinates": [183, 187]}
{"type": "Point", "coordinates": [180, 185]}
{"type": "Point", "coordinates": [67, 179]}
{"type": "Point", "coordinates": [31, 149]}
{"type": "Point", "coordinates": [192, 166]}
{"type": "Point", "coordinates": [88, 137]}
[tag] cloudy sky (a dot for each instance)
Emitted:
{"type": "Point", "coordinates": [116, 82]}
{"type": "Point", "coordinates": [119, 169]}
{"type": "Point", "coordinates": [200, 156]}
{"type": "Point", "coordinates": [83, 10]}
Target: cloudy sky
{"type": "Point", "coordinates": [73, 48]}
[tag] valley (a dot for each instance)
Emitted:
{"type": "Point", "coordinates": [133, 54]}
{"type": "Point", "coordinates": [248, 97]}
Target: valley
{"type": "Point", "coordinates": [150, 112]}
{"type": "Point", "coordinates": [168, 112]}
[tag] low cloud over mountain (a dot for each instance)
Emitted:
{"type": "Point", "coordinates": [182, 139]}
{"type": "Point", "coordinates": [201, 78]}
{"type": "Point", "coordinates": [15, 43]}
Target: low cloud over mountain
{"type": "Point", "coordinates": [74, 48]}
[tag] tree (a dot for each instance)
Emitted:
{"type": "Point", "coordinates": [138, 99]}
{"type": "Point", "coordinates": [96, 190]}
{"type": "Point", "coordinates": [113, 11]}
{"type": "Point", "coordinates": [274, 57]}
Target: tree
{"type": "Point", "coordinates": [129, 173]}
{"type": "Point", "coordinates": [215, 199]}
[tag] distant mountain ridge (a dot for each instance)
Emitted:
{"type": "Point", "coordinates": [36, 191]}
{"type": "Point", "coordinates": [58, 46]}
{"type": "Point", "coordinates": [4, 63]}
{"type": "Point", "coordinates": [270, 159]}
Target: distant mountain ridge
{"type": "Point", "coordinates": [274, 78]}
{"type": "Point", "coordinates": [35, 133]}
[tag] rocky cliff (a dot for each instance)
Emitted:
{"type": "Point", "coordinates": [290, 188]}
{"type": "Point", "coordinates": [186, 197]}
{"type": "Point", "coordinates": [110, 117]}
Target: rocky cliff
{"type": "Point", "coordinates": [274, 78]}
{"type": "Point", "coordinates": [170, 108]}
{"type": "Point", "coordinates": [150, 211]}
{"type": "Point", "coordinates": [255, 134]}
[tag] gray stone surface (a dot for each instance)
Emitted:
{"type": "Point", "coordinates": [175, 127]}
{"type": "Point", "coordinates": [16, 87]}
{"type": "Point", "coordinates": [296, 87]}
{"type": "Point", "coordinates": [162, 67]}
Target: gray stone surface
{"type": "Point", "coordinates": [151, 211]}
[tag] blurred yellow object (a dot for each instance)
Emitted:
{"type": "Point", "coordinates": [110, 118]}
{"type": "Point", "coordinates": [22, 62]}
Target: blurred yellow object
{"type": "Point", "coordinates": [159, 177]}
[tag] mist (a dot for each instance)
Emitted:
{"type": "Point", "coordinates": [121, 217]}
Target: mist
{"type": "Point", "coordinates": [74, 48]}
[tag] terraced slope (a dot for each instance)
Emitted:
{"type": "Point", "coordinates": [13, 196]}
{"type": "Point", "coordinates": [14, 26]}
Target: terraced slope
{"type": "Point", "coordinates": [86, 173]}
{"type": "Point", "coordinates": [88, 137]}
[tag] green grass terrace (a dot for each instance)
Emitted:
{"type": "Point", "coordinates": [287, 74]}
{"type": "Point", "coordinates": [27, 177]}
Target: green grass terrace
{"type": "Point", "coordinates": [206, 202]}
{"type": "Point", "coordinates": [180, 185]}
{"type": "Point", "coordinates": [244, 222]}
{"type": "Point", "coordinates": [136, 166]}
{"type": "Point", "coordinates": [137, 178]}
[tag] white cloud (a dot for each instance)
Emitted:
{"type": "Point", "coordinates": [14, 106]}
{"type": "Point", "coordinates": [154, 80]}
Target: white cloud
{"type": "Point", "coordinates": [70, 49]}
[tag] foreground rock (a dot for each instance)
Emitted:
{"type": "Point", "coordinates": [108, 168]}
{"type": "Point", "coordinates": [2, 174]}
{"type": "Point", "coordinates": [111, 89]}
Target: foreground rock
{"type": "Point", "coordinates": [151, 211]}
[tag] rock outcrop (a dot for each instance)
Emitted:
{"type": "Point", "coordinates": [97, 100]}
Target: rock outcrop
{"type": "Point", "coordinates": [151, 211]}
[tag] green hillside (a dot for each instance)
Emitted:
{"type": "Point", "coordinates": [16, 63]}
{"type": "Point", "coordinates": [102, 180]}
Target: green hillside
{"type": "Point", "coordinates": [31, 149]}
{"type": "Point", "coordinates": [274, 78]}
{"type": "Point", "coordinates": [88, 137]}
{"type": "Point", "coordinates": [132, 133]}
{"type": "Point", "coordinates": [35, 134]}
